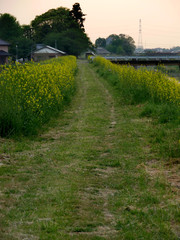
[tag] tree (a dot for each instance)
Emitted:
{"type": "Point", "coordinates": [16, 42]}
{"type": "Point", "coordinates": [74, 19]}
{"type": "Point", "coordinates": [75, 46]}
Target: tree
{"type": "Point", "coordinates": [175, 48]}
{"type": "Point", "coordinates": [11, 31]}
{"type": "Point", "coordinates": [25, 47]}
{"type": "Point", "coordinates": [100, 42]}
{"type": "Point", "coordinates": [114, 44]}
{"type": "Point", "coordinates": [27, 31]}
{"type": "Point", "coordinates": [120, 44]}
{"type": "Point", "coordinates": [72, 41]}
{"type": "Point", "coordinates": [63, 27]}
{"type": "Point", "coordinates": [9, 27]}
{"type": "Point", "coordinates": [78, 15]}
{"type": "Point", "coordinates": [54, 20]}
{"type": "Point", "coordinates": [53, 39]}
{"type": "Point", "coordinates": [128, 44]}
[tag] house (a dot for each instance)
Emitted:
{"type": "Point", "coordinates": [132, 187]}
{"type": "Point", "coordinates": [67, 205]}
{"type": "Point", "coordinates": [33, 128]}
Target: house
{"type": "Point", "coordinates": [102, 51]}
{"type": "Point", "coordinates": [4, 51]}
{"type": "Point", "coordinates": [46, 52]}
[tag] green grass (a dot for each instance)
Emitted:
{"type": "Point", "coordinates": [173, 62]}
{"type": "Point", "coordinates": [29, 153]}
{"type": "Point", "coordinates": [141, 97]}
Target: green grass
{"type": "Point", "coordinates": [88, 174]}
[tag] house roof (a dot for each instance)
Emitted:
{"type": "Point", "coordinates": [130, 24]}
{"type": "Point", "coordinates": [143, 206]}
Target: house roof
{"type": "Point", "coordinates": [90, 52]}
{"type": "Point", "coordinates": [48, 49]}
{"type": "Point", "coordinates": [3, 53]}
{"type": "Point", "coordinates": [100, 50]}
{"type": "Point", "coordinates": [4, 43]}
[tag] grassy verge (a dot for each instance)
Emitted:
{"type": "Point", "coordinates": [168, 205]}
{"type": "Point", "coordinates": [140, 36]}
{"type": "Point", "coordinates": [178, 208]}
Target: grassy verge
{"type": "Point", "coordinates": [90, 176]}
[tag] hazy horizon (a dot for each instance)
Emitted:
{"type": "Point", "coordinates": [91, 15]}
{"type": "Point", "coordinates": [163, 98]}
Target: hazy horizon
{"type": "Point", "coordinates": [160, 18]}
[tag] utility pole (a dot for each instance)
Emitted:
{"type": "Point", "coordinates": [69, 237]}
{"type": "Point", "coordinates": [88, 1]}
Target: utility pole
{"type": "Point", "coordinates": [31, 51]}
{"type": "Point", "coordinates": [16, 52]}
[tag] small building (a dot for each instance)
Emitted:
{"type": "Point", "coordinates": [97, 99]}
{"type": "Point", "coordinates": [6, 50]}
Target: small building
{"type": "Point", "coordinates": [102, 51]}
{"type": "Point", "coordinates": [89, 53]}
{"type": "Point", "coordinates": [4, 46]}
{"type": "Point", "coordinates": [46, 52]}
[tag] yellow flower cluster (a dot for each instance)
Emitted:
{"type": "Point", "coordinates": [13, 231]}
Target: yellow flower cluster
{"type": "Point", "coordinates": [37, 88]}
{"type": "Point", "coordinates": [155, 84]}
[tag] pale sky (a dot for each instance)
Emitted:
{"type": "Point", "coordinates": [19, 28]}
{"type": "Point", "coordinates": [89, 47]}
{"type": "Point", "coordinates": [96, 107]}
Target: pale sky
{"type": "Point", "coordinates": [160, 18]}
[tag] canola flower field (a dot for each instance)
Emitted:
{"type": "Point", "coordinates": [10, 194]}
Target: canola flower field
{"type": "Point", "coordinates": [155, 93]}
{"type": "Point", "coordinates": [142, 84]}
{"type": "Point", "coordinates": [33, 92]}
{"type": "Point", "coordinates": [30, 93]}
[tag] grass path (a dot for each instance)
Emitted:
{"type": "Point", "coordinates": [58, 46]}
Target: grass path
{"type": "Point", "coordinates": [90, 176]}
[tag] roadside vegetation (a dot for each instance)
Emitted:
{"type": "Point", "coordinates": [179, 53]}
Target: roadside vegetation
{"type": "Point", "coordinates": [33, 92]}
{"type": "Point", "coordinates": [121, 44]}
{"type": "Point", "coordinates": [157, 93]}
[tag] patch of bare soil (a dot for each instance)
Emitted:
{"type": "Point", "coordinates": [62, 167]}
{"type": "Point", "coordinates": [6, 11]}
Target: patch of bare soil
{"type": "Point", "coordinates": [104, 172]}
{"type": "Point", "coordinates": [170, 171]}
{"type": "Point", "coordinates": [92, 196]}
{"type": "Point", "coordinates": [4, 159]}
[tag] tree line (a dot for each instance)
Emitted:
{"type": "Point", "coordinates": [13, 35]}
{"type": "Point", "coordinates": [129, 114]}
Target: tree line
{"type": "Point", "coordinates": [62, 28]}
{"type": "Point", "coordinates": [118, 44]}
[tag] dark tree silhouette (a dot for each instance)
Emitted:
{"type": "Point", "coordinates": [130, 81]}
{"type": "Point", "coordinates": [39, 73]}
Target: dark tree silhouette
{"type": "Point", "coordinates": [100, 42]}
{"type": "Point", "coordinates": [9, 27]}
{"type": "Point", "coordinates": [63, 27]}
{"type": "Point", "coordinates": [78, 15]}
{"type": "Point", "coordinates": [54, 20]}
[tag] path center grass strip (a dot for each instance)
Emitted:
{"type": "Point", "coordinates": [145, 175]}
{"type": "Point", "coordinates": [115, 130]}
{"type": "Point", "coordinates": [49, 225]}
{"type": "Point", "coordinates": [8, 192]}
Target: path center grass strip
{"type": "Point", "coordinates": [31, 93]}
